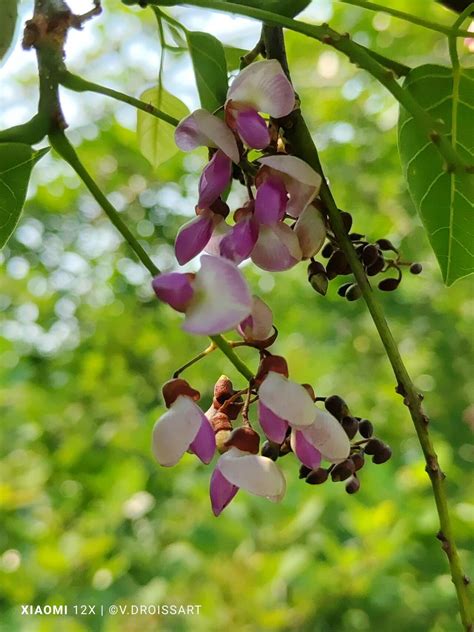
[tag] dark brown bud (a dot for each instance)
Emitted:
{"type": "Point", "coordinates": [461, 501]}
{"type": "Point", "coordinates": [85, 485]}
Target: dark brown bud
{"type": "Point", "coordinates": [219, 207]}
{"type": "Point", "coordinates": [271, 450]}
{"type": "Point", "coordinates": [223, 389]}
{"type": "Point", "coordinates": [285, 447]}
{"type": "Point", "coordinates": [385, 244]}
{"type": "Point", "coordinates": [343, 470]}
{"type": "Point", "coordinates": [353, 292]}
{"type": "Point", "coordinates": [382, 455]}
{"type": "Point", "coordinates": [351, 426]}
{"type": "Point", "coordinates": [373, 446]}
{"type": "Point", "coordinates": [337, 407]}
{"type": "Point", "coordinates": [316, 477]}
{"type": "Point", "coordinates": [389, 285]}
{"type": "Point", "coordinates": [271, 363]}
{"type": "Point", "coordinates": [416, 268]}
{"type": "Point", "coordinates": [315, 267]}
{"type": "Point", "coordinates": [222, 428]}
{"type": "Point", "coordinates": [366, 429]}
{"type": "Point", "coordinates": [172, 389]}
{"type": "Point", "coordinates": [358, 460]}
{"type": "Point", "coordinates": [337, 264]}
{"type": "Point", "coordinates": [376, 267]}
{"type": "Point", "coordinates": [327, 251]}
{"type": "Point", "coordinates": [319, 283]}
{"type": "Point", "coordinates": [245, 439]}
{"type": "Point", "coordinates": [347, 220]}
{"type": "Point", "coordinates": [343, 289]}
{"type": "Point", "coordinates": [356, 236]}
{"type": "Point", "coordinates": [370, 254]}
{"type": "Point", "coordinates": [304, 471]}
{"type": "Point", "coordinates": [353, 485]}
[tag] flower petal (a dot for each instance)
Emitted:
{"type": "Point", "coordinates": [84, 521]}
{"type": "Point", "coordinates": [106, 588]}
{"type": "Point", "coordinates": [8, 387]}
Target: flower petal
{"type": "Point", "coordinates": [277, 248]}
{"type": "Point", "coordinates": [214, 179]}
{"type": "Point", "coordinates": [259, 325]}
{"type": "Point", "coordinates": [221, 299]}
{"type": "Point", "coordinates": [174, 288]}
{"type": "Point", "coordinates": [327, 434]}
{"type": "Point", "coordinates": [252, 128]}
{"type": "Point", "coordinates": [264, 85]}
{"type": "Point", "coordinates": [204, 444]}
{"type": "Point", "coordinates": [221, 491]}
{"type": "Point", "coordinates": [311, 231]}
{"type": "Point", "coordinates": [193, 236]}
{"type": "Point", "coordinates": [301, 181]}
{"type": "Point", "coordinates": [204, 129]}
{"type": "Point", "coordinates": [273, 426]}
{"type": "Point", "coordinates": [286, 399]}
{"type": "Point", "coordinates": [256, 474]}
{"type": "Point", "coordinates": [175, 430]}
{"type": "Point", "coordinates": [213, 246]}
{"type": "Point", "coordinates": [240, 240]}
{"type": "Point", "coordinates": [305, 450]}
{"type": "Point", "coordinates": [271, 201]}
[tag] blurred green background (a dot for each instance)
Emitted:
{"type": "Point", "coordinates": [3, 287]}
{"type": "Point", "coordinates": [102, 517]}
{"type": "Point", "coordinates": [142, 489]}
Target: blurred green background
{"type": "Point", "coordinates": [87, 515]}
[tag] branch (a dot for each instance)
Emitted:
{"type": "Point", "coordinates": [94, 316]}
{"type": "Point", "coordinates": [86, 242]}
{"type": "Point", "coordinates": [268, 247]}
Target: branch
{"type": "Point", "coordinates": [302, 145]}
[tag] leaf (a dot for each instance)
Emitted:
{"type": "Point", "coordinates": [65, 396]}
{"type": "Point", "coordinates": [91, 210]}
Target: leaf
{"type": "Point", "coordinates": [8, 19]}
{"type": "Point", "coordinates": [210, 68]}
{"type": "Point", "coordinates": [156, 137]}
{"type": "Point", "coordinates": [233, 55]}
{"type": "Point", "coordinates": [16, 162]}
{"type": "Point", "coordinates": [281, 7]}
{"type": "Point", "coordinates": [443, 200]}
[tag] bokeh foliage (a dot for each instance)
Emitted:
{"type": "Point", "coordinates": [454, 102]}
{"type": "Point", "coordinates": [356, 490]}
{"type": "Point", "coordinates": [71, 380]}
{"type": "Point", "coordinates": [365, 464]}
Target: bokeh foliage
{"type": "Point", "coordinates": [87, 516]}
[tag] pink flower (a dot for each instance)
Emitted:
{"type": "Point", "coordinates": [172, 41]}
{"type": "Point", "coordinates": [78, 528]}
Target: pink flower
{"type": "Point", "coordinates": [214, 179]}
{"type": "Point", "coordinates": [260, 87]}
{"type": "Point", "coordinates": [213, 300]}
{"type": "Point", "coordinates": [183, 427]}
{"type": "Point", "coordinates": [301, 182]}
{"type": "Point", "coordinates": [239, 242]}
{"type": "Point", "coordinates": [259, 324]}
{"type": "Point", "coordinates": [310, 229]}
{"type": "Point", "coordinates": [202, 129]}
{"type": "Point", "coordinates": [277, 248]}
{"type": "Point", "coordinates": [256, 474]}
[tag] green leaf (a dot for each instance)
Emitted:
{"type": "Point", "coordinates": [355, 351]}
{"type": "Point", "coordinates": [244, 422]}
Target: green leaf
{"type": "Point", "coordinates": [8, 19]}
{"type": "Point", "coordinates": [233, 55]}
{"type": "Point", "coordinates": [281, 7]}
{"type": "Point", "coordinates": [443, 200]}
{"type": "Point", "coordinates": [155, 137]}
{"type": "Point", "coordinates": [16, 162]}
{"type": "Point", "coordinates": [210, 68]}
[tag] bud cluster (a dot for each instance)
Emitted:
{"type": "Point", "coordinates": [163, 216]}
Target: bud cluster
{"type": "Point", "coordinates": [367, 445]}
{"type": "Point", "coordinates": [374, 258]}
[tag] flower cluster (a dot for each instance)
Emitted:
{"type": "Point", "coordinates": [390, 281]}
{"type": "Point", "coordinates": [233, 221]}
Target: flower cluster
{"type": "Point", "coordinates": [276, 227]}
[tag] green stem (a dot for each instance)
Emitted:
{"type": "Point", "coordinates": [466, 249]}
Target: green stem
{"type": "Point", "coordinates": [78, 84]}
{"type": "Point", "coordinates": [212, 347]}
{"type": "Point", "coordinates": [67, 152]}
{"type": "Point", "coordinates": [408, 17]}
{"type": "Point", "coordinates": [359, 56]}
{"type": "Point", "coordinates": [227, 350]}
{"type": "Point", "coordinates": [302, 145]}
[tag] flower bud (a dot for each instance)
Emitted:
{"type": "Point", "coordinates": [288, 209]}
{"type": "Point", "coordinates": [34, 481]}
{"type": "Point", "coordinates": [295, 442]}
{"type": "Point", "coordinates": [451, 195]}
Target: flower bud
{"type": "Point", "coordinates": [416, 268]}
{"type": "Point", "coordinates": [223, 389]}
{"type": "Point", "coordinates": [316, 477]}
{"type": "Point", "coordinates": [373, 446]}
{"type": "Point", "coordinates": [327, 251]}
{"type": "Point", "coordinates": [319, 283]}
{"type": "Point", "coordinates": [274, 363]}
{"type": "Point", "coordinates": [172, 389]}
{"type": "Point", "coordinates": [285, 447]}
{"type": "Point", "coordinates": [382, 455]}
{"type": "Point", "coordinates": [337, 264]}
{"type": "Point", "coordinates": [271, 450]}
{"type": "Point", "coordinates": [304, 471]}
{"type": "Point", "coordinates": [385, 244]}
{"type": "Point", "coordinates": [351, 426]}
{"type": "Point", "coordinates": [343, 289]}
{"type": "Point", "coordinates": [353, 292]}
{"type": "Point", "coordinates": [222, 429]}
{"type": "Point", "coordinates": [389, 285]}
{"type": "Point", "coordinates": [347, 220]}
{"type": "Point", "coordinates": [337, 407]}
{"type": "Point", "coordinates": [245, 439]}
{"type": "Point", "coordinates": [343, 470]}
{"type": "Point", "coordinates": [358, 460]}
{"type": "Point", "coordinates": [376, 267]}
{"type": "Point", "coordinates": [353, 485]}
{"type": "Point", "coordinates": [366, 429]}
{"type": "Point", "coordinates": [370, 253]}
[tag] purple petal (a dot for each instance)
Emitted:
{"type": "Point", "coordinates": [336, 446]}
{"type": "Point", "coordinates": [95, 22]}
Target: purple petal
{"type": "Point", "coordinates": [214, 179]}
{"type": "Point", "coordinates": [270, 201]}
{"type": "Point", "coordinates": [204, 129]}
{"type": "Point", "coordinates": [193, 237]}
{"type": "Point", "coordinates": [204, 443]}
{"type": "Point", "coordinates": [240, 240]}
{"type": "Point", "coordinates": [273, 426]}
{"type": "Point", "coordinates": [304, 450]}
{"type": "Point", "coordinates": [222, 492]}
{"type": "Point", "coordinates": [175, 289]}
{"type": "Point", "coordinates": [221, 300]}
{"type": "Point", "coordinates": [252, 128]}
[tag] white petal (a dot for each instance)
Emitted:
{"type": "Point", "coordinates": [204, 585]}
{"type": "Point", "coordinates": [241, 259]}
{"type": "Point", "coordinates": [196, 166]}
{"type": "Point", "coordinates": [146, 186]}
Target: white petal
{"type": "Point", "coordinates": [221, 298]}
{"type": "Point", "coordinates": [175, 431]}
{"type": "Point", "coordinates": [264, 85]}
{"type": "Point", "coordinates": [311, 231]}
{"type": "Point", "coordinates": [201, 128]}
{"type": "Point", "coordinates": [287, 399]}
{"type": "Point", "coordinates": [327, 434]}
{"type": "Point", "coordinates": [256, 474]}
